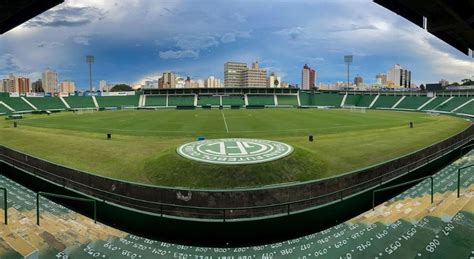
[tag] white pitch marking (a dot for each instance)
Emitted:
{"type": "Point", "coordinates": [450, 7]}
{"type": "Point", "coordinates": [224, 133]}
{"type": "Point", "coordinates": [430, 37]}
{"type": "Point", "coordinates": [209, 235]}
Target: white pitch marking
{"type": "Point", "coordinates": [225, 122]}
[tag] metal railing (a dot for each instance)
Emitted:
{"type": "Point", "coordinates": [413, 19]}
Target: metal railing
{"type": "Point", "coordinates": [459, 176]}
{"type": "Point", "coordinates": [5, 204]}
{"type": "Point", "coordinates": [400, 185]}
{"type": "Point", "coordinates": [54, 195]}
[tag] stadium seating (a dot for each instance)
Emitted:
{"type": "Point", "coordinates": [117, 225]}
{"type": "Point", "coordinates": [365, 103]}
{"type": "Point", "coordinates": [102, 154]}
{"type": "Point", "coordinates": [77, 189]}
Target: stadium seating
{"type": "Point", "coordinates": [181, 100]}
{"type": "Point", "coordinates": [452, 104]}
{"type": "Point", "coordinates": [17, 104]}
{"type": "Point", "coordinates": [467, 109]}
{"type": "Point", "coordinates": [434, 103]}
{"type": "Point", "coordinates": [407, 226]}
{"type": "Point", "coordinates": [258, 100]}
{"type": "Point", "coordinates": [155, 100]}
{"type": "Point", "coordinates": [209, 100]}
{"type": "Point", "coordinates": [352, 99]}
{"type": "Point", "coordinates": [47, 103]}
{"type": "Point", "coordinates": [366, 100]}
{"type": "Point", "coordinates": [386, 101]}
{"type": "Point", "coordinates": [287, 100]}
{"type": "Point", "coordinates": [412, 102]}
{"type": "Point", "coordinates": [4, 110]}
{"type": "Point", "coordinates": [80, 101]}
{"type": "Point", "coordinates": [118, 101]}
{"type": "Point", "coordinates": [328, 99]}
{"type": "Point", "coordinates": [233, 100]}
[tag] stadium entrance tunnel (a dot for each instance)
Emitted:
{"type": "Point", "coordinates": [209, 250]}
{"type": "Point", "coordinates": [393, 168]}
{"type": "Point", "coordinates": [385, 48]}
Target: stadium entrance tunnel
{"type": "Point", "coordinates": [225, 233]}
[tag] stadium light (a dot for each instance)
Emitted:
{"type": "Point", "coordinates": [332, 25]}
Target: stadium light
{"type": "Point", "coordinates": [90, 60]}
{"type": "Point", "coordinates": [348, 61]}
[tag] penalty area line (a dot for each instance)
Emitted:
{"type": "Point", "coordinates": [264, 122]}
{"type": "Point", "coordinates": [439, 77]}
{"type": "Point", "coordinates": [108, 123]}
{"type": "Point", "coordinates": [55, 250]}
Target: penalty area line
{"type": "Point", "coordinates": [225, 122]}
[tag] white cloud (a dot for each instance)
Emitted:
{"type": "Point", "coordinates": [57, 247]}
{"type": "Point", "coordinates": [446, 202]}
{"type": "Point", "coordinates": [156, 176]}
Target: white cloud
{"type": "Point", "coordinates": [193, 42]}
{"type": "Point", "coordinates": [46, 44]}
{"type": "Point", "coordinates": [228, 37]}
{"type": "Point", "coordinates": [83, 40]}
{"type": "Point", "coordinates": [171, 54]}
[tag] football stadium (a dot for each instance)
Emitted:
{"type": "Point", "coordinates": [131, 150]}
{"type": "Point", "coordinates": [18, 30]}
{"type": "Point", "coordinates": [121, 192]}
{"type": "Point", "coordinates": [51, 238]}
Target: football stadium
{"type": "Point", "coordinates": [238, 172]}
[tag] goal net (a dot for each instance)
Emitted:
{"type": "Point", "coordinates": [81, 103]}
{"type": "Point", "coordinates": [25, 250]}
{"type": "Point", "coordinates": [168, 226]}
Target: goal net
{"type": "Point", "coordinates": [356, 109]}
{"type": "Point", "coordinates": [80, 111]}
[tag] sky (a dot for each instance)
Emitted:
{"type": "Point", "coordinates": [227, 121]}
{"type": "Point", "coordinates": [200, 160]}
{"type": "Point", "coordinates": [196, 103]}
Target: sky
{"type": "Point", "coordinates": [137, 40]}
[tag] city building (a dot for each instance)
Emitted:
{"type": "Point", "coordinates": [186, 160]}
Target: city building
{"type": "Point", "coordinates": [234, 74]}
{"type": "Point", "coordinates": [103, 86]}
{"type": "Point", "coordinates": [167, 80]}
{"type": "Point", "coordinates": [358, 80]}
{"type": "Point", "coordinates": [255, 76]}
{"type": "Point", "coordinates": [22, 85]}
{"type": "Point", "coordinates": [212, 82]}
{"type": "Point", "coordinates": [274, 81]}
{"type": "Point", "coordinates": [50, 81]}
{"type": "Point", "coordinates": [381, 79]}
{"type": "Point", "coordinates": [5, 85]}
{"type": "Point", "coordinates": [67, 86]}
{"type": "Point", "coordinates": [444, 82]}
{"type": "Point", "coordinates": [37, 86]}
{"type": "Point", "coordinates": [308, 78]}
{"type": "Point", "coordinates": [15, 84]}
{"type": "Point", "coordinates": [399, 77]}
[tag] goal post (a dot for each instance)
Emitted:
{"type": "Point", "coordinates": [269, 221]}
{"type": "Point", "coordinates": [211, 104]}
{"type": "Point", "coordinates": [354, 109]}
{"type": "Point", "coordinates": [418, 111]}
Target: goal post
{"type": "Point", "coordinates": [357, 109]}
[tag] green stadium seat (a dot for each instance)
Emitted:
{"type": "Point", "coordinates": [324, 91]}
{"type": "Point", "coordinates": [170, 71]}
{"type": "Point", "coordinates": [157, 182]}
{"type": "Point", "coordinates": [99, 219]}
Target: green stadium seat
{"type": "Point", "coordinates": [386, 101]}
{"type": "Point", "coordinates": [80, 101]}
{"type": "Point", "coordinates": [209, 100]}
{"type": "Point", "coordinates": [435, 102]}
{"type": "Point", "coordinates": [118, 101]}
{"type": "Point", "coordinates": [467, 109]}
{"type": "Point", "coordinates": [328, 99]}
{"type": "Point", "coordinates": [406, 226]}
{"type": "Point", "coordinates": [412, 102]}
{"type": "Point", "coordinates": [47, 103]}
{"type": "Point", "coordinates": [452, 104]}
{"type": "Point", "coordinates": [260, 100]}
{"type": "Point", "coordinates": [181, 100]}
{"type": "Point", "coordinates": [17, 104]}
{"type": "Point", "coordinates": [366, 100]}
{"type": "Point", "coordinates": [233, 100]}
{"type": "Point", "coordinates": [155, 100]}
{"type": "Point", "coordinates": [287, 100]}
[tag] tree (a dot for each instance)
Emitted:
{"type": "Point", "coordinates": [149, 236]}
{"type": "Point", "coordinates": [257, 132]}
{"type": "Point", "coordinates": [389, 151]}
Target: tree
{"type": "Point", "coordinates": [467, 82]}
{"type": "Point", "coordinates": [422, 87]}
{"type": "Point", "coordinates": [121, 88]}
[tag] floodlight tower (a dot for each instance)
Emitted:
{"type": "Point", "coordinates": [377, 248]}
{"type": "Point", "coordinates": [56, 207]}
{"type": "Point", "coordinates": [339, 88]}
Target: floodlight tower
{"type": "Point", "coordinates": [348, 61]}
{"type": "Point", "coordinates": [90, 60]}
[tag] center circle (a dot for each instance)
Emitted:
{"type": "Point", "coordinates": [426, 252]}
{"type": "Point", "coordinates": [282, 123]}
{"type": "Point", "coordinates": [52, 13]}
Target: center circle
{"type": "Point", "coordinates": [234, 151]}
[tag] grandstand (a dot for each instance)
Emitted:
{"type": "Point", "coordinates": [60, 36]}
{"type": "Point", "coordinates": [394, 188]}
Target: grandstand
{"type": "Point", "coordinates": [17, 104]}
{"type": "Point", "coordinates": [442, 102]}
{"type": "Point", "coordinates": [209, 100]}
{"type": "Point", "coordinates": [156, 100]}
{"type": "Point", "coordinates": [181, 100]}
{"type": "Point", "coordinates": [406, 226]}
{"type": "Point", "coordinates": [287, 100]}
{"type": "Point", "coordinates": [47, 103]}
{"type": "Point", "coordinates": [386, 101]}
{"type": "Point", "coordinates": [118, 101]}
{"type": "Point", "coordinates": [233, 100]}
{"type": "Point", "coordinates": [80, 101]}
{"type": "Point", "coordinates": [412, 102]}
{"type": "Point", "coordinates": [452, 103]}
{"type": "Point", "coordinates": [261, 100]}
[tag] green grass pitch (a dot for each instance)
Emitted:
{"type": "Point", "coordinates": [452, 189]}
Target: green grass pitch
{"type": "Point", "coordinates": [143, 145]}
